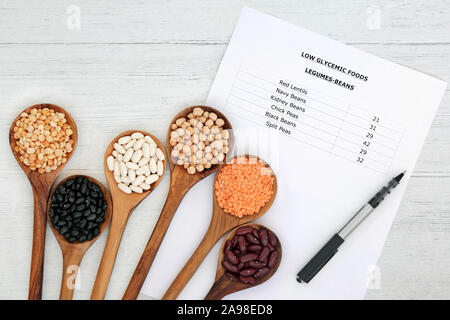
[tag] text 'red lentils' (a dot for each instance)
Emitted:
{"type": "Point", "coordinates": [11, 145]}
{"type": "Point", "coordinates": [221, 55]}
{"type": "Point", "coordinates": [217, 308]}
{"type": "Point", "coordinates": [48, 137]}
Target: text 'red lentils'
{"type": "Point", "coordinates": [243, 186]}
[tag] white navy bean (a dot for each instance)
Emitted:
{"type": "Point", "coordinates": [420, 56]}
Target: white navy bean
{"type": "Point", "coordinates": [130, 144]}
{"type": "Point", "coordinates": [127, 155]}
{"type": "Point", "coordinates": [119, 148]}
{"type": "Point", "coordinates": [138, 144]}
{"type": "Point", "coordinates": [131, 175]}
{"type": "Point", "coordinates": [144, 186]}
{"type": "Point", "coordinates": [116, 168]}
{"type": "Point", "coordinates": [152, 165]}
{"type": "Point", "coordinates": [124, 188]}
{"type": "Point", "coordinates": [143, 161]}
{"type": "Point", "coordinates": [137, 155]}
{"type": "Point", "coordinates": [142, 170]}
{"type": "Point", "coordinates": [137, 135]}
{"type": "Point", "coordinates": [136, 163]}
{"type": "Point", "coordinates": [132, 165]}
{"type": "Point", "coordinates": [110, 163]}
{"type": "Point", "coordinates": [124, 140]}
{"type": "Point", "coordinates": [146, 150]}
{"type": "Point", "coordinates": [151, 179]}
{"type": "Point", "coordinates": [138, 181]}
{"type": "Point", "coordinates": [160, 154]}
{"type": "Point", "coordinates": [123, 169]}
{"type": "Point", "coordinates": [160, 168]}
{"type": "Point", "coordinates": [136, 189]}
{"type": "Point", "coordinates": [152, 150]}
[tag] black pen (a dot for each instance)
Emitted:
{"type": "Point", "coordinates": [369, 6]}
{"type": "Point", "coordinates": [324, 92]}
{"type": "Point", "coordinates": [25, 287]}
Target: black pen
{"type": "Point", "coordinates": [331, 247]}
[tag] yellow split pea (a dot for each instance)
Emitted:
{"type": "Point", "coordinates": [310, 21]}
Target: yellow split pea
{"type": "Point", "coordinates": [43, 139]}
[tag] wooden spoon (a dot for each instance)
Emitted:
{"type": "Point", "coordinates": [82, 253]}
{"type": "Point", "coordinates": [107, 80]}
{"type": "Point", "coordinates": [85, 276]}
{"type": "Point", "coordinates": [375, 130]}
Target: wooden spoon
{"type": "Point", "coordinates": [180, 183]}
{"type": "Point", "coordinates": [41, 184]}
{"type": "Point", "coordinates": [223, 286]}
{"type": "Point", "coordinates": [221, 223]}
{"type": "Point", "coordinates": [73, 252]}
{"type": "Point", "coordinates": [123, 206]}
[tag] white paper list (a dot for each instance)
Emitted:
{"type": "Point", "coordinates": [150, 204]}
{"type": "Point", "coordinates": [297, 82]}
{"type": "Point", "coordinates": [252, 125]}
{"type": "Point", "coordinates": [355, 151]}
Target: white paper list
{"type": "Point", "coordinates": [335, 123]}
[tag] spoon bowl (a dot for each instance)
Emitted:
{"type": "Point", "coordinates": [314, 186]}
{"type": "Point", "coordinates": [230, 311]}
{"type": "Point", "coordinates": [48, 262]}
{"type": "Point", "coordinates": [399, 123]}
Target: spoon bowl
{"type": "Point", "coordinates": [223, 285]}
{"type": "Point", "coordinates": [73, 252]}
{"type": "Point", "coordinates": [123, 206]}
{"type": "Point", "coordinates": [221, 223]}
{"type": "Point", "coordinates": [41, 184]}
{"type": "Point", "coordinates": [180, 183]}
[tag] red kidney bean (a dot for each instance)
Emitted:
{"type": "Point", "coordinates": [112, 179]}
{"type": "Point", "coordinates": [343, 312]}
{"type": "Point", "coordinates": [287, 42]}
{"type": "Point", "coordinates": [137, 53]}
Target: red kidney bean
{"type": "Point", "coordinates": [249, 257]}
{"type": "Point", "coordinates": [248, 280]}
{"type": "Point", "coordinates": [247, 272]}
{"type": "Point", "coordinates": [254, 248]}
{"type": "Point", "coordinates": [227, 246]}
{"type": "Point", "coordinates": [251, 238]}
{"type": "Point", "coordinates": [256, 264]}
{"type": "Point", "coordinates": [242, 245]}
{"type": "Point", "coordinates": [231, 276]}
{"type": "Point", "coordinates": [229, 267]}
{"type": "Point", "coordinates": [272, 239]}
{"type": "Point", "coordinates": [262, 272]}
{"type": "Point", "coordinates": [232, 258]}
{"type": "Point", "coordinates": [273, 259]}
{"type": "Point", "coordinates": [264, 238]}
{"type": "Point", "coordinates": [244, 230]}
{"type": "Point", "coordinates": [264, 254]}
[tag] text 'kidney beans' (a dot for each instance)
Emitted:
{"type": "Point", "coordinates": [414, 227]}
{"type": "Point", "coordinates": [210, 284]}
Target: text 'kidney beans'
{"type": "Point", "coordinates": [250, 254]}
{"type": "Point", "coordinates": [77, 209]}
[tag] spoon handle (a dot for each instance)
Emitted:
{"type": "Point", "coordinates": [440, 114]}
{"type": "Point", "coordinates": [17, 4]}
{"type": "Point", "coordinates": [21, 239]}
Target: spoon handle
{"type": "Point", "coordinates": [220, 289]}
{"type": "Point", "coordinates": [40, 196]}
{"type": "Point", "coordinates": [209, 240]}
{"type": "Point", "coordinates": [71, 264]}
{"type": "Point", "coordinates": [174, 197]}
{"type": "Point", "coordinates": [118, 223]}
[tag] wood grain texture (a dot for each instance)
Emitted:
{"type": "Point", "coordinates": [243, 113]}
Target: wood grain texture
{"type": "Point", "coordinates": [137, 63]}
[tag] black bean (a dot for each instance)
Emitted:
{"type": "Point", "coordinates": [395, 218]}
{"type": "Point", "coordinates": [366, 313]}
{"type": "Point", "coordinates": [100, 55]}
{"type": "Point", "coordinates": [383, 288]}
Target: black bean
{"type": "Point", "coordinates": [75, 233]}
{"type": "Point", "coordinates": [96, 231]}
{"type": "Point", "coordinates": [92, 208]}
{"type": "Point", "coordinates": [83, 188]}
{"type": "Point", "coordinates": [63, 230]}
{"type": "Point", "coordinates": [90, 236]}
{"type": "Point", "coordinates": [94, 194]}
{"type": "Point", "coordinates": [80, 200]}
{"type": "Point", "coordinates": [81, 207]}
{"type": "Point", "coordinates": [99, 219]}
{"type": "Point", "coordinates": [77, 214]}
{"type": "Point", "coordinates": [69, 182]}
{"type": "Point", "coordinates": [82, 238]}
{"type": "Point", "coordinates": [91, 217]}
{"type": "Point", "coordinates": [83, 223]}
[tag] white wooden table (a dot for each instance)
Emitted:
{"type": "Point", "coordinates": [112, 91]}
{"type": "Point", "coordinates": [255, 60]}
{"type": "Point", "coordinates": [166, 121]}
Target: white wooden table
{"type": "Point", "coordinates": [135, 64]}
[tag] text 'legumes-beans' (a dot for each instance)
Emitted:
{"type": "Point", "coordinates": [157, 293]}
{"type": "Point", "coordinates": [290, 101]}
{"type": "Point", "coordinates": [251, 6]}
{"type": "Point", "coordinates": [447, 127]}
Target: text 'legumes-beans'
{"type": "Point", "coordinates": [77, 209]}
{"type": "Point", "coordinates": [136, 162]}
{"type": "Point", "coordinates": [43, 139]}
{"type": "Point", "coordinates": [198, 142]}
{"type": "Point", "coordinates": [250, 254]}
{"type": "Point", "coordinates": [243, 186]}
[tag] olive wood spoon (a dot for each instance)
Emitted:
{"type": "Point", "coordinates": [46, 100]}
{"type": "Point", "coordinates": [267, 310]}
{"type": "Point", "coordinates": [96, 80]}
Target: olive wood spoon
{"type": "Point", "coordinates": [123, 206]}
{"type": "Point", "coordinates": [223, 285]}
{"type": "Point", "coordinates": [180, 183]}
{"type": "Point", "coordinates": [41, 184]}
{"type": "Point", "coordinates": [73, 252]}
{"type": "Point", "coordinates": [221, 223]}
